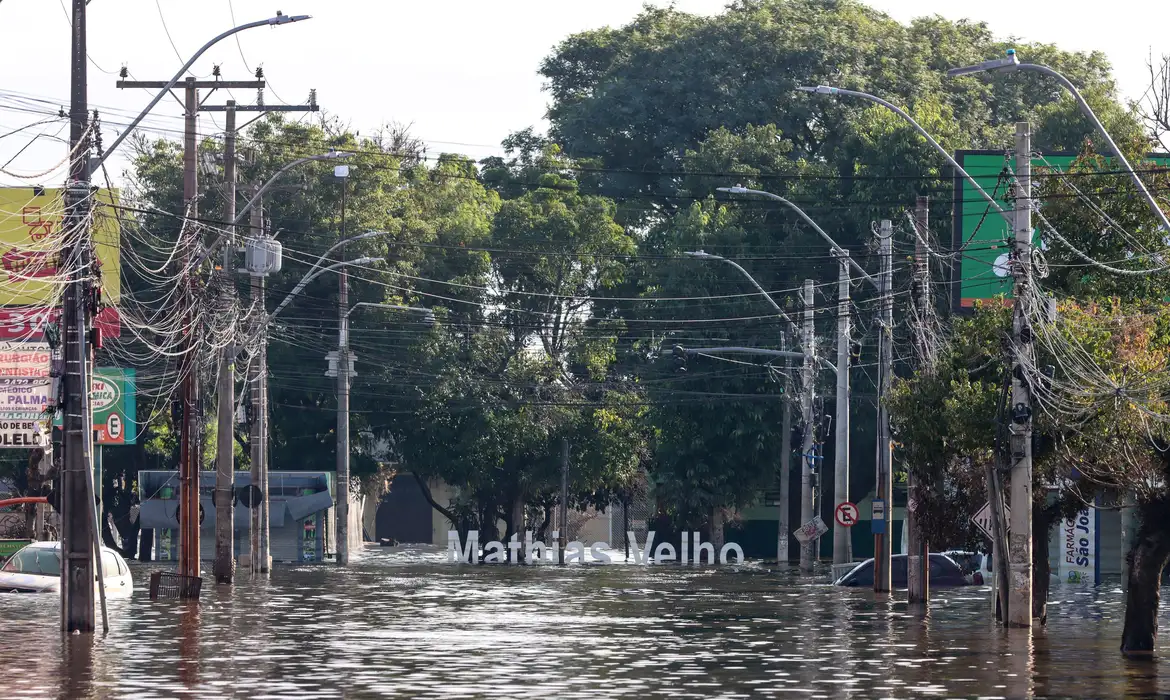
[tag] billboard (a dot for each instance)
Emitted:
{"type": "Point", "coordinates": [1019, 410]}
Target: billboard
{"type": "Point", "coordinates": [31, 233]}
{"type": "Point", "coordinates": [113, 404]}
{"type": "Point", "coordinates": [25, 394]}
{"type": "Point", "coordinates": [982, 270]}
{"type": "Point", "coordinates": [112, 398]}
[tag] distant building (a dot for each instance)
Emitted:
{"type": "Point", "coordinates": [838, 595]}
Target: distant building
{"type": "Point", "coordinates": [301, 514]}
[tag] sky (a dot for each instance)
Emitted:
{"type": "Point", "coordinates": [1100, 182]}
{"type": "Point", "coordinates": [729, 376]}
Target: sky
{"type": "Point", "coordinates": [461, 73]}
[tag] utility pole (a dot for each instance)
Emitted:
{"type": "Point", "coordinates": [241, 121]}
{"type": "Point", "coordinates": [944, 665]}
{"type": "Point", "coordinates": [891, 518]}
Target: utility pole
{"type": "Point", "coordinates": [563, 517]}
{"type": "Point", "coordinates": [808, 390]}
{"type": "Point", "coordinates": [190, 438]}
{"type": "Point", "coordinates": [1020, 427]}
{"type": "Point", "coordinates": [842, 544]}
{"type": "Point", "coordinates": [256, 436]}
{"type": "Point", "coordinates": [918, 561]}
{"type": "Point", "coordinates": [77, 522]}
{"type": "Point", "coordinates": [783, 536]}
{"type": "Point", "coordinates": [885, 482]}
{"type": "Point", "coordinates": [342, 171]}
{"type": "Point", "coordinates": [225, 560]}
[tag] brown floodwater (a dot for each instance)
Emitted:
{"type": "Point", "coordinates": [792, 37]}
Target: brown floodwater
{"type": "Point", "coordinates": [407, 624]}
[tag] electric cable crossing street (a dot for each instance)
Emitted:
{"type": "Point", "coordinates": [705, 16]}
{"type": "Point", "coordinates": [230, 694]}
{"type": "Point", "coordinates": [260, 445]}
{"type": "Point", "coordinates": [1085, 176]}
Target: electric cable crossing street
{"type": "Point", "coordinates": [536, 355]}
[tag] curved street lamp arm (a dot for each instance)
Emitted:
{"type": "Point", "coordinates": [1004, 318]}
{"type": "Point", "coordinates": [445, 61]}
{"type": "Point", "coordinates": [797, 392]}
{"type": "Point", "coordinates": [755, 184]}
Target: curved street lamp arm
{"type": "Point", "coordinates": [313, 274]}
{"type": "Point", "coordinates": [827, 90]}
{"type": "Point", "coordinates": [272, 21]}
{"type": "Point", "coordinates": [1088, 112]}
{"type": "Point", "coordinates": [828, 239]}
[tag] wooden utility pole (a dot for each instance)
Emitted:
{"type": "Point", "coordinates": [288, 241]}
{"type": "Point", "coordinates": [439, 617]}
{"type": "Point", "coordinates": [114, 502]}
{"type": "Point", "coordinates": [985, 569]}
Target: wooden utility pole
{"type": "Point", "coordinates": [918, 561]}
{"type": "Point", "coordinates": [190, 431]}
{"type": "Point", "coordinates": [77, 500]}
{"type": "Point", "coordinates": [1020, 427]}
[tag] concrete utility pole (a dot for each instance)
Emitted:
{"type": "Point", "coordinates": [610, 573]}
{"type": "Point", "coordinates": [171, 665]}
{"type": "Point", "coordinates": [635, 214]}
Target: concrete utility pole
{"type": "Point", "coordinates": [256, 433]}
{"type": "Point", "coordinates": [1020, 538]}
{"type": "Point", "coordinates": [807, 394]}
{"type": "Point", "coordinates": [77, 523]}
{"type": "Point", "coordinates": [842, 543]}
{"type": "Point", "coordinates": [785, 534]}
{"type": "Point", "coordinates": [563, 530]}
{"type": "Point", "coordinates": [342, 171]}
{"type": "Point", "coordinates": [225, 559]}
{"type": "Point", "coordinates": [882, 539]}
{"type": "Point", "coordinates": [918, 561]}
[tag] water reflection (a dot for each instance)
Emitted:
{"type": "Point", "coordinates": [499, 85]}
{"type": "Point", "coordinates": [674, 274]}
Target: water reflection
{"type": "Point", "coordinates": [406, 624]}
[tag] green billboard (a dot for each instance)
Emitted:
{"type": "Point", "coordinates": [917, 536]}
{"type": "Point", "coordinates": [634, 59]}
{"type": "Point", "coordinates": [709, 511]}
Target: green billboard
{"type": "Point", "coordinates": [112, 396]}
{"type": "Point", "coordinates": [985, 238]}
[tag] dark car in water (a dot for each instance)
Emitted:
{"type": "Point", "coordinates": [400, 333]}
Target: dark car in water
{"type": "Point", "coordinates": [944, 572]}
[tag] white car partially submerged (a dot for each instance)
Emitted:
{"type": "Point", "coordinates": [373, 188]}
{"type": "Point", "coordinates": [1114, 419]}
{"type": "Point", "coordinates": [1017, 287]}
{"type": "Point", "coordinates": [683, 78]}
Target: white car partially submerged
{"type": "Point", "coordinates": [37, 569]}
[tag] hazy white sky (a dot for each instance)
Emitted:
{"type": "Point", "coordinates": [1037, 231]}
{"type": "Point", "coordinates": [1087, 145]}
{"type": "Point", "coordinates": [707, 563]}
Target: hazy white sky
{"type": "Point", "coordinates": [461, 72]}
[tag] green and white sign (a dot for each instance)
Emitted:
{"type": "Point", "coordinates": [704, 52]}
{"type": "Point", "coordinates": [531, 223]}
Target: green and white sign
{"type": "Point", "coordinates": [112, 398]}
{"type": "Point", "coordinates": [983, 271]}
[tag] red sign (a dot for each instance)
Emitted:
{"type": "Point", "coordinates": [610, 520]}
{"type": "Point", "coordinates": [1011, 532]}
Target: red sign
{"type": "Point", "coordinates": [28, 322]}
{"type": "Point", "coordinates": [846, 514]}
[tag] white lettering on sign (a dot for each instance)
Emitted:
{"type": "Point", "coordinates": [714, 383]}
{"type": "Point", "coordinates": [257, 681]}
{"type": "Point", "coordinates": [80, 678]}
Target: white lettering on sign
{"type": "Point", "coordinates": [1079, 556]}
{"type": "Point", "coordinates": [114, 427]}
{"type": "Point", "coordinates": [103, 393]}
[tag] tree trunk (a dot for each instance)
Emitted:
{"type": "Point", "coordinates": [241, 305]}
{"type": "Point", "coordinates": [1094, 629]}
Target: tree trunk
{"type": "Point", "coordinates": [717, 521]}
{"type": "Point", "coordinates": [1146, 562]}
{"type": "Point", "coordinates": [1042, 519]}
{"type": "Point", "coordinates": [516, 524]}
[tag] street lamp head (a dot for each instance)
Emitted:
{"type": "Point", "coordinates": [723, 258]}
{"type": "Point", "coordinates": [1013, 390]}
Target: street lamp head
{"type": "Point", "coordinates": [1009, 62]}
{"type": "Point", "coordinates": [738, 189]}
{"type": "Point", "coordinates": [697, 254]}
{"type": "Point", "coordinates": [282, 18]}
{"type": "Point", "coordinates": [364, 261]}
{"type": "Point", "coordinates": [819, 89]}
{"type": "Point", "coordinates": [333, 155]}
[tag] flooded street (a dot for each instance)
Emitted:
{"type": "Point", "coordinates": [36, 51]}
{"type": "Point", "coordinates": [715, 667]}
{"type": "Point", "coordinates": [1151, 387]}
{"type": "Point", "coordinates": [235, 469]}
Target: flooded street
{"type": "Point", "coordinates": [407, 624]}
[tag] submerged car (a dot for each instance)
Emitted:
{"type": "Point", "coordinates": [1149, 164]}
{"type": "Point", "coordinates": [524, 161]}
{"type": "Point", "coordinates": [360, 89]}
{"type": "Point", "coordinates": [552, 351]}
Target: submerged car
{"type": "Point", "coordinates": [36, 568]}
{"type": "Point", "coordinates": [943, 573]}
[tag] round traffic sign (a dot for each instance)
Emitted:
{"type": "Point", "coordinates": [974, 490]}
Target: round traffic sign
{"type": "Point", "coordinates": [114, 427]}
{"type": "Point", "coordinates": [846, 514]}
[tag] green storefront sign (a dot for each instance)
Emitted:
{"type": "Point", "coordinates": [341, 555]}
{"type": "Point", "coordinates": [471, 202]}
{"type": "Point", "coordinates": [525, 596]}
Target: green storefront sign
{"type": "Point", "coordinates": [10, 547]}
{"type": "Point", "coordinates": [982, 270]}
{"type": "Point", "coordinates": [112, 397]}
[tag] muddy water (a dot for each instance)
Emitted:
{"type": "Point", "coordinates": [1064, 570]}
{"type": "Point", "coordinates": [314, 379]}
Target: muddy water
{"type": "Point", "coordinates": [406, 624]}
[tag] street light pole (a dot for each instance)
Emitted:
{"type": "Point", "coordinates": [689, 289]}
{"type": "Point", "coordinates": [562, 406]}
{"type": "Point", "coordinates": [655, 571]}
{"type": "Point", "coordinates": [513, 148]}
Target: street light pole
{"type": "Point", "coordinates": [1012, 63]}
{"type": "Point", "coordinates": [343, 376]}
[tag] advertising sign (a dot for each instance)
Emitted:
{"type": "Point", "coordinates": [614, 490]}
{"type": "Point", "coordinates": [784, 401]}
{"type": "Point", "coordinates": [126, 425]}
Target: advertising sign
{"type": "Point", "coordinates": [114, 406]}
{"type": "Point", "coordinates": [1078, 548]}
{"type": "Point", "coordinates": [31, 236]}
{"type": "Point", "coordinates": [25, 389]}
{"type": "Point", "coordinates": [983, 269]}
